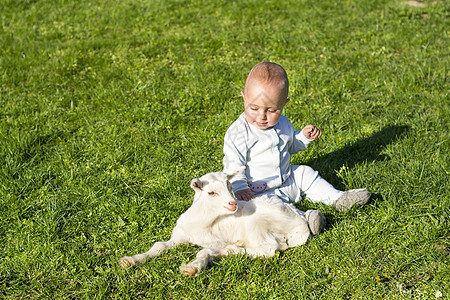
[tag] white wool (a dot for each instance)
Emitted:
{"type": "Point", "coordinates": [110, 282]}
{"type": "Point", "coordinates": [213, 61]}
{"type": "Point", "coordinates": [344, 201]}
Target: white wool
{"type": "Point", "coordinates": [223, 225]}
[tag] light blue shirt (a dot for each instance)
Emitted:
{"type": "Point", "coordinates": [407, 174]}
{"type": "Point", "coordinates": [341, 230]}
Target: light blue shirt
{"type": "Point", "coordinates": [266, 153]}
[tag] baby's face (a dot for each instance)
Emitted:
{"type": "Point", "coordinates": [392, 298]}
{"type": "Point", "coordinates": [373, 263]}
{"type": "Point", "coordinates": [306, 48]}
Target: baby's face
{"type": "Point", "coordinates": [264, 105]}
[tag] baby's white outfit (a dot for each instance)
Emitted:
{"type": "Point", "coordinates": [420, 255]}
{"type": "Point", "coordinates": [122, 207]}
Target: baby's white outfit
{"type": "Point", "coordinates": [266, 155]}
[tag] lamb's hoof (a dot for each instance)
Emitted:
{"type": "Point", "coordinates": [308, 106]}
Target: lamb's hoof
{"type": "Point", "coordinates": [127, 262]}
{"type": "Point", "coordinates": [189, 270]}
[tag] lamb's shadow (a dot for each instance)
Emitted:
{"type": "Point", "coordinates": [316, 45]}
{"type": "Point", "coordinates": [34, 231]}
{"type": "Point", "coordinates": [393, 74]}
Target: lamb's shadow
{"type": "Point", "coordinates": [363, 150]}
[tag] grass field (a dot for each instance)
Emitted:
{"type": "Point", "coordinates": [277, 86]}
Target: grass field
{"type": "Point", "coordinates": [109, 108]}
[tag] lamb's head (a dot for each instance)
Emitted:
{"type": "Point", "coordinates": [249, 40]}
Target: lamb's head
{"type": "Point", "coordinates": [215, 190]}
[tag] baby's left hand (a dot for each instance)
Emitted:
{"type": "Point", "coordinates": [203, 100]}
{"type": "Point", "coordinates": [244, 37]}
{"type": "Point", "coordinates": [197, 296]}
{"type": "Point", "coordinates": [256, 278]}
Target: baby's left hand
{"type": "Point", "coordinates": [311, 132]}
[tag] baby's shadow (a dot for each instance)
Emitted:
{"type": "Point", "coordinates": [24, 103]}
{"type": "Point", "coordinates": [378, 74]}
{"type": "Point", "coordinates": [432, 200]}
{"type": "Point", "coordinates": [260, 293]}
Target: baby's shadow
{"type": "Point", "coordinates": [367, 149]}
{"type": "Point", "coordinates": [363, 150]}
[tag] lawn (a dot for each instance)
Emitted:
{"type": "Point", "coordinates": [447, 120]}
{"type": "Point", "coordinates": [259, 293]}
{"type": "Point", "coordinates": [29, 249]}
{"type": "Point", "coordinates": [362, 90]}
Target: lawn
{"type": "Point", "coordinates": [109, 108]}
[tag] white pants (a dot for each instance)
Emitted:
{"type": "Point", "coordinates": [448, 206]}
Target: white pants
{"type": "Point", "coordinates": [305, 182]}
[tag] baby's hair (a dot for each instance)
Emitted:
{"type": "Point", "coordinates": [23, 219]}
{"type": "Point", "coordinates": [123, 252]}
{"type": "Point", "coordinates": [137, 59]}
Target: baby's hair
{"type": "Point", "coordinates": [268, 73]}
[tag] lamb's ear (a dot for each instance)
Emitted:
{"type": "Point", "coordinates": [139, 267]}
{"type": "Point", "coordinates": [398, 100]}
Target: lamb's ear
{"type": "Point", "coordinates": [196, 184]}
{"type": "Point", "coordinates": [235, 172]}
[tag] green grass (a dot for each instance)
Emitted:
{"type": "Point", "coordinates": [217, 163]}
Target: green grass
{"type": "Point", "coordinates": [109, 108]}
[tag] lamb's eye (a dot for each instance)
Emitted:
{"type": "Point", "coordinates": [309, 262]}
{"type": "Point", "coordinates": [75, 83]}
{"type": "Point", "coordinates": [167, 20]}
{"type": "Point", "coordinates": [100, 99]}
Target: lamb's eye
{"type": "Point", "coordinates": [212, 193]}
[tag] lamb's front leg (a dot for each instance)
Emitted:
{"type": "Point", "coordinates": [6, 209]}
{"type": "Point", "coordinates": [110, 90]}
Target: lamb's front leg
{"type": "Point", "coordinates": [178, 237]}
{"type": "Point", "coordinates": [204, 257]}
{"type": "Point", "coordinates": [140, 259]}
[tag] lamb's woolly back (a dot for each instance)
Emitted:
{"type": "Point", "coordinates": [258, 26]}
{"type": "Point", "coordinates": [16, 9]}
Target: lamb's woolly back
{"type": "Point", "coordinates": [255, 222]}
{"type": "Point", "coordinates": [274, 204]}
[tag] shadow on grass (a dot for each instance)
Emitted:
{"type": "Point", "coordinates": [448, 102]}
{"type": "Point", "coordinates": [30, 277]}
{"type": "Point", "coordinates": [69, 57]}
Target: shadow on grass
{"type": "Point", "coordinates": [367, 149]}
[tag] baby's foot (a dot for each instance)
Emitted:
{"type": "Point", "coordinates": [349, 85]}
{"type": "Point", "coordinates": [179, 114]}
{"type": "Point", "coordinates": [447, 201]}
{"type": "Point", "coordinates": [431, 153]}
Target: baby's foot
{"type": "Point", "coordinates": [316, 221]}
{"type": "Point", "coordinates": [350, 198]}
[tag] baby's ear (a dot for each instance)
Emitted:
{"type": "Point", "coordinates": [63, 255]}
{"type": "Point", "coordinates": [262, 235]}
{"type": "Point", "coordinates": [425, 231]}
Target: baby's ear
{"type": "Point", "coordinates": [242, 94]}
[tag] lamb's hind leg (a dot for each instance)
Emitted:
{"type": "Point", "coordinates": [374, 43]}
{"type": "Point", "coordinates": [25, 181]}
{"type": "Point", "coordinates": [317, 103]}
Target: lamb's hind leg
{"type": "Point", "coordinates": [301, 235]}
{"type": "Point", "coordinates": [231, 250]}
{"type": "Point", "coordinates": [264, 250]}
{"type": "Point", "coordinates": [204, 257]}
{"type": "Point", "coordinates": [178, 237]}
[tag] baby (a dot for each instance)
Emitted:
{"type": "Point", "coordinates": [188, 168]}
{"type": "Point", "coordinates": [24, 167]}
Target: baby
{"type": "Point", "coordinates": [262, 140]}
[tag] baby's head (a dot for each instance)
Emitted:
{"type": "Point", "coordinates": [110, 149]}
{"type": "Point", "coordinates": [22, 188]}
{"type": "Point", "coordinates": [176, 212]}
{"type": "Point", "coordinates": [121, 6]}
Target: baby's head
{"type": "Point", "coordinates": [265, 94]}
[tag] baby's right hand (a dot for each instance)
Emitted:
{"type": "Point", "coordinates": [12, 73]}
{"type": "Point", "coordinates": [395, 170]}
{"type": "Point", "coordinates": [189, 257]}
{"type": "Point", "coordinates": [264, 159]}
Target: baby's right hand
{"type": "Point", "coordinates": [244, 195]}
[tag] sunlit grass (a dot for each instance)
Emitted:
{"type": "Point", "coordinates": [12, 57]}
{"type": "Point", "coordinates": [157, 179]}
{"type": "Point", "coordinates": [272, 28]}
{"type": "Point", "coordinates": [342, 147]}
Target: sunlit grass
{"type": "Point", "coordinates": [109, 108]}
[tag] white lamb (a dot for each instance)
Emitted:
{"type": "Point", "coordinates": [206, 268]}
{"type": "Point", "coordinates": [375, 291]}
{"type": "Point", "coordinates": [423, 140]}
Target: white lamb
{"type": "Point", "coordinates": [223, 225]}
